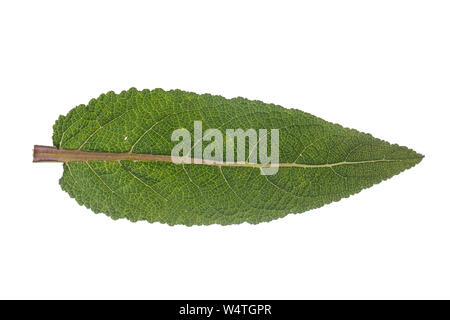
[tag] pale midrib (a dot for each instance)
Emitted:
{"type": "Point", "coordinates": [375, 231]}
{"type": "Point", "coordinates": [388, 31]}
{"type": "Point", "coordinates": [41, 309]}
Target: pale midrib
{"type": "Point", "coordinates": [52, 154]}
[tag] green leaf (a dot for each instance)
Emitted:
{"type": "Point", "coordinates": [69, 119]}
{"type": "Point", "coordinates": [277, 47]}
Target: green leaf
{"type": "Point", "coordinates": [320, 162]}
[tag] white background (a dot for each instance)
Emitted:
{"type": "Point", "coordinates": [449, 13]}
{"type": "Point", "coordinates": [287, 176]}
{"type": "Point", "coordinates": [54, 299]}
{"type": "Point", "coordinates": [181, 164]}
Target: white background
{"type": "Point", "coordinates": [381, 67]}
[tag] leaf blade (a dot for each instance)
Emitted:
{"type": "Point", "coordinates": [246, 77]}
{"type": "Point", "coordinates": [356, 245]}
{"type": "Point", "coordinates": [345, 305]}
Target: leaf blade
{"type": "Point", "coordinates": [320, 162]}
